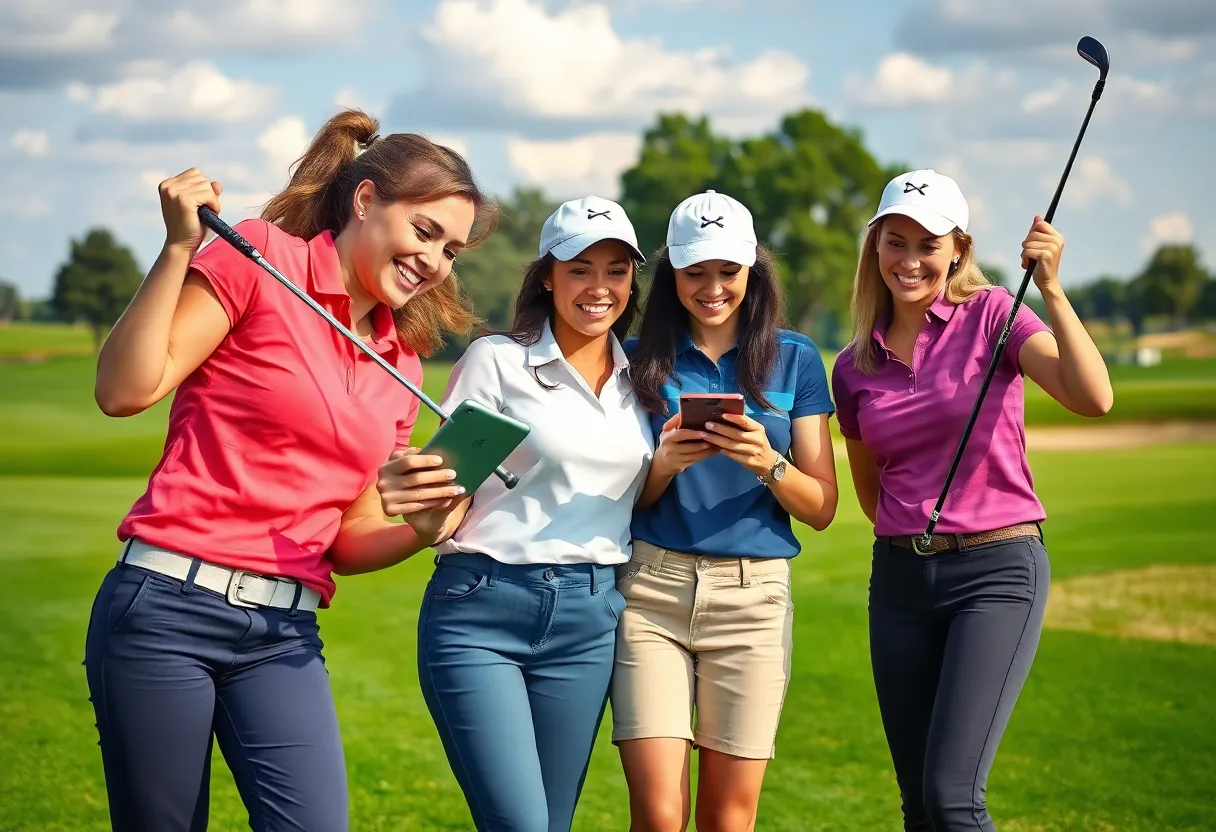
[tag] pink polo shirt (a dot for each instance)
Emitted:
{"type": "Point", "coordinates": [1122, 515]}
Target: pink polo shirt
{"type": "Point", "coordinates": [911, 419]}
{"type": "Point", "coordinates": [273, 437]}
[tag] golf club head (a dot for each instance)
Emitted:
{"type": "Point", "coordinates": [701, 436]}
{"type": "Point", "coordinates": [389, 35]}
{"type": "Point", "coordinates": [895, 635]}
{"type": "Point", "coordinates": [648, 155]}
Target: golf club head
{"type": "Point", "coordinates": [1093, 51]}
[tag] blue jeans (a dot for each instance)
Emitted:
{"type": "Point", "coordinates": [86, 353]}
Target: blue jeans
{"type": "Point", "coordinates": [169, 666]}
{"type": "Point", "coordinates": [514, 663]}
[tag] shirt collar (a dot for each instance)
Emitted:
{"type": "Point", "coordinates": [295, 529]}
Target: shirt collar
{"type": "Point", "coordinates": [941, 308]}
{"type": "Point", "coordinates": [685, 344]}
{"type": "Point", "coordinates": [546, 350]}
{"type": "Point", "coordinates": [325, 275]}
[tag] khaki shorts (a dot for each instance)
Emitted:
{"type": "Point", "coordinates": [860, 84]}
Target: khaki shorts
{"type": "Point", "coordinates": [704, 633]}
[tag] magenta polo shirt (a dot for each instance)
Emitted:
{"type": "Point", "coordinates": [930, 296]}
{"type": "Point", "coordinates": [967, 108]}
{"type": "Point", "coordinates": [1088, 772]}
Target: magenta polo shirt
{"type": "Point", "coordinates": [911, 419]}
{"type": "Point", "coordinates": [278, 431]}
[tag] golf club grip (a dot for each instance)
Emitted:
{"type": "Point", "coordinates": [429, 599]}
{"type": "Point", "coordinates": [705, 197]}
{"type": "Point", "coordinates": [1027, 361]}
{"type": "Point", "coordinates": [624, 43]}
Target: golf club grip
{"type": "Point", "coordinates": [222, 229]}
{"type": "Point", "coordinates": [230, 235]}
{"type": "Point", "coordinates": [935, 515]}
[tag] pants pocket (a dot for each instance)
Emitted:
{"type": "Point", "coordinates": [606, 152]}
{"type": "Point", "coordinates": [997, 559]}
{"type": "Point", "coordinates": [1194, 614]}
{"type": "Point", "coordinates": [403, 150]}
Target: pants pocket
{"type": "Point", "coordinates": [132, 587]}
{"type": "Point", "coordinates": [456, 583]}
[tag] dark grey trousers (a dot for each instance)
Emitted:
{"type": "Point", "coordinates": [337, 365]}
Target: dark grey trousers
{"type": "Point", "coordinates": [169, 667]}
{"type": "Point", "coordinates": [952, 639]}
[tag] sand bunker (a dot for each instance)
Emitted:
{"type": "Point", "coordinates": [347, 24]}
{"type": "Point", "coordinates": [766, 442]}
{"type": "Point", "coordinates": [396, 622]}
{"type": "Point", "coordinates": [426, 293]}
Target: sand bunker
{"type": "Point", "coordinates": [1160, 603]}
{"type": "Point", "coordinates": [1100, 437]}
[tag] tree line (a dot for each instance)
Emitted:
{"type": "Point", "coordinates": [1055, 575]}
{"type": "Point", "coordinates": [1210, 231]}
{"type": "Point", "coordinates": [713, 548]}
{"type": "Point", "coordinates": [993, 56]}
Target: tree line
{"type": "Point", "coordinates": [811, 186]}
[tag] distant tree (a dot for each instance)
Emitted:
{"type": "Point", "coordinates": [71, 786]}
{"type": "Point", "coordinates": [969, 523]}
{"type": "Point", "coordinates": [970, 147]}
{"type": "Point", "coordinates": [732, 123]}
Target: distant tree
{"type": "Point", "coordinates": [10, 302]}
{"type": "Point", "coordinates": [492, 272]}
{"type": "Point", "coordinates": [1107, 298]}
{"type": "Point", "coordinates": [96, 283]}
{"type": "Point", "coordinates": [810, 185]}
{"type": "Point", "coordinates": [1175, 272]}
{"type": "Point", "coordinates": [1205, 310]}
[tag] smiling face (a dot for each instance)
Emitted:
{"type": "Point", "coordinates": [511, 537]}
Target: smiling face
{"type": "Point", "coordinates": [712, 290]}
{"type": "Point", "coordinates": [404, 249]}
{"type": "Point", "coordinates": [914, 263]}
{"type": "Point", "coordinates": [591, 291]}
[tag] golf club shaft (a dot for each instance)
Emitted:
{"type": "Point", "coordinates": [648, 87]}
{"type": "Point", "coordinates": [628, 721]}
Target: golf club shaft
{"type": "Point", "coordinates": [1013, 311]}
{"type": "Point", "coordinates": [230, 234]}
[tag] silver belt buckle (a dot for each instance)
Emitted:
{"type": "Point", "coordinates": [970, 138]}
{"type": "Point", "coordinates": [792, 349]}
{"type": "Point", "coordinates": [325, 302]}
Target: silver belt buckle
{"type": "Point", "coordinates": [922, 544]}
{"type": "Point", "coordinates": [234, 590]}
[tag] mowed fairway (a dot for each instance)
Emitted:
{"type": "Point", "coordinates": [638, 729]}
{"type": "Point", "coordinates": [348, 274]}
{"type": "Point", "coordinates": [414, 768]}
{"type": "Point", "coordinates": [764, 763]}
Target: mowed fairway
{"type": "Point", "coordinates": [1110, 734]}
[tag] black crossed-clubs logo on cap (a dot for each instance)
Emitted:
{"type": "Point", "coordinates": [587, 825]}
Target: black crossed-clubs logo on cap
{"type": "Point", "coordinates": [920, 189]}
{"type": "Point", "coordinates": [592, 214]}
{"type": "Point", "coordinates": [707, 221]}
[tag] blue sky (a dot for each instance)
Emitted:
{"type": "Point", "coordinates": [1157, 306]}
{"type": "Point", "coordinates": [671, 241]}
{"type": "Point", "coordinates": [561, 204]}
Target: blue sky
{"type": "Point", "coordinates": [101, 100]}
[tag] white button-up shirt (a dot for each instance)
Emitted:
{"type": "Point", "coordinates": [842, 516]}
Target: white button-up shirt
{"type": "Point", "coordinates": [580, 468]}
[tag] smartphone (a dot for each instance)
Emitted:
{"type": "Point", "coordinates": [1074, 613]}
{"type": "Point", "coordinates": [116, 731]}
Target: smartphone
{"type": "Point", "coordinates": [474, 441]}
{"type": "Point", "coordinates": [698, 408]}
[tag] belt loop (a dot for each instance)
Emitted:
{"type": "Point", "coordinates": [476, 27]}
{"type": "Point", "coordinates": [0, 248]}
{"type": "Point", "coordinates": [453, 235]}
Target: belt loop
{"type": "Point", "coordinates": [960, 541]}
{"type": "Point", "coordinates": [1042, 537]}
{"type": "Point", "coordinates": [295, 602]}
{"type": "Point", "coordinates": [188, 584]}
{"type": "Point", "coordinates": [126, 547]}
{"type": "Point", "coordinates": [492, 572]}
{"type": "Point", "coordinates": [745, 571]}
{"type": "Point", "coordinates": [658, 557]}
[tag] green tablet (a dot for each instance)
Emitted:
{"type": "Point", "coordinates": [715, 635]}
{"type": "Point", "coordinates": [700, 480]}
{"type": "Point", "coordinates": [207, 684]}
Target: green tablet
{"type": "Point", "coordinates": [475, 441]}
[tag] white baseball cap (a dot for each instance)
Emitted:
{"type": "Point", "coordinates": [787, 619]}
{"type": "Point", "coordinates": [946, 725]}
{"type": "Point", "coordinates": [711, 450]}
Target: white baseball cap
{"type": "Point", "coordinates": [580, 223]}
{"type": "Point", "coordinates": [711, 226]}
{"type": "Point", "coordinates": [932, 199]}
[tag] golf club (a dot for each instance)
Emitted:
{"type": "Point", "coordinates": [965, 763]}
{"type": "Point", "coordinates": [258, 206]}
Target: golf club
{"type": "Point", "coordinates": [230, 234]}
{"type": "Point", "coordinates": [1095, 53]}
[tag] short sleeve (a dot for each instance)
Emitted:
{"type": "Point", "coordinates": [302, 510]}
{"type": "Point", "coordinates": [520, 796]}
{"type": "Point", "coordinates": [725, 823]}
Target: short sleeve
{"type": "Point", "coordinates": [234, 277]}
{"type": "Point", "coordinates": [846, 406]}
{"type": "Point", "coordinates": [811, 394]}
{"type": "Point", "coordinates": [475, 376]}
{"type": "Point", "coordinates": [1025, 324]}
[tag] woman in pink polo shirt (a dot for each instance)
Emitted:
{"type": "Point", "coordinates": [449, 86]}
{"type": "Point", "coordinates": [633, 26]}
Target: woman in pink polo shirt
{"type": "Point", "coordinates": [952, 633]}
{"type": "Point", "coordinates": [207, 625]}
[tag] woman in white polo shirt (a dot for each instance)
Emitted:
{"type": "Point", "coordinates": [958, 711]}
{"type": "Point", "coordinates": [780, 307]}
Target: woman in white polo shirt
{"type": "Point", "coordinates": [517, 628]}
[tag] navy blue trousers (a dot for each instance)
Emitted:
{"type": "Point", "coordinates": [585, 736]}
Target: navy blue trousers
{"type": "Point", "coordinates": [169, 667]}
{"type": "Point", "coordinates": [952, 639]}
{"type": "Point", "coordinates": [514, 663]}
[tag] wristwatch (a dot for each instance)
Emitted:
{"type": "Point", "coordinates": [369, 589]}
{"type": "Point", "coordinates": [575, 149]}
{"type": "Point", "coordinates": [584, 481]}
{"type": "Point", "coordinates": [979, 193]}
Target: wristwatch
{"type": "Point", "coordinates": [775, 473]}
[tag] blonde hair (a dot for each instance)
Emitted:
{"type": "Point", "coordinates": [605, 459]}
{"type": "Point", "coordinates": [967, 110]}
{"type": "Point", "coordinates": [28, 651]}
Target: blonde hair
{"type": "Point", "coordinates": [871, 298]}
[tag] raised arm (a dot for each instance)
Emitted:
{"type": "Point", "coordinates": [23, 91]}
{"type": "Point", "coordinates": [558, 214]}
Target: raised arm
{"type": "Point", "coordinates": [175, 319]}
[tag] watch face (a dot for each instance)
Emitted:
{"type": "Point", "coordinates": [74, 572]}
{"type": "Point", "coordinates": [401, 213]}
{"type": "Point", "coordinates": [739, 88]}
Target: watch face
{"type": "Point", "coordinates": [779, 469]}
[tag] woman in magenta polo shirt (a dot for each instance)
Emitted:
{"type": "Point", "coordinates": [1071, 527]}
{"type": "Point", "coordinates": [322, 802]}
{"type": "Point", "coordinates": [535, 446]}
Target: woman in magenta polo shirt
{"type": "Point", "coordinates": [207, 625]}
{"type": "Point", "coordinates": [952, 633]}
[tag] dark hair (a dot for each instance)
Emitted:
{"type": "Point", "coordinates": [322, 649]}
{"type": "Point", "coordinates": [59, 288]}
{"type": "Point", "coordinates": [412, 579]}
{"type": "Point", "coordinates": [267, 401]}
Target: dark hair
{"type": "Point", "coordinates": [403, 167]}
{"type": "Point", "coordinates": [534, 305]}
{"type": "Point", "coordinates": [665, 319]}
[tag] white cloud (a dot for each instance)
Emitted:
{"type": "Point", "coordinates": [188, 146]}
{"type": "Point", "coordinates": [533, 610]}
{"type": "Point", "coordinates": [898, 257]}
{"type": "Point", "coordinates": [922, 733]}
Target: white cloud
{"type": "Point", "coordinates": [283, 143]}
{"type": "Point", "coordinates": [902, 80]}
{"type": "Point", "coordinates": [578, 167]}
{"type": "Point", "coordinates": [24, 206]}
{"type": "Point", "coordinates": [1093, 179]}
{"type": "Point", "coordinates": [195, 92]}
{"type": "Point", "coordinates": [511, 64]}
{"type": "Point", "coordinates": [1174, 227]}
{"type": "Point", "coordinates": [32, 143]}
{"type": "Point", "coordinates": [1040, 100]}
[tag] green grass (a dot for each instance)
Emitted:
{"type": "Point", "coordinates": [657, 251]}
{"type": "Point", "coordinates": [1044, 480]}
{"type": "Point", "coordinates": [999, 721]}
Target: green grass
{"type": "Point", "coordinates": [1110, 734]}
{"type": "Point", "coordinates": [19, 340]}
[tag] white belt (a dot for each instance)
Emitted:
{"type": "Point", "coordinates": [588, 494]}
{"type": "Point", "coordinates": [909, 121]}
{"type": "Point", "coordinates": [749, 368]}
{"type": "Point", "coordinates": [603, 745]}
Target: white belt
{"type": "Point", "coordinates": [241, 588]}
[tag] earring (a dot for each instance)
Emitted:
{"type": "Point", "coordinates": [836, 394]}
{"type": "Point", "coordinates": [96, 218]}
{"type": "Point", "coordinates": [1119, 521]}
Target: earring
{"type": "Point", "coordinates": [361, 214]}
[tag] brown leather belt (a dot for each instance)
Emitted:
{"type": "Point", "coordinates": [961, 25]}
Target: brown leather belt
{"type": "Point", "coordinates": [948, 542]}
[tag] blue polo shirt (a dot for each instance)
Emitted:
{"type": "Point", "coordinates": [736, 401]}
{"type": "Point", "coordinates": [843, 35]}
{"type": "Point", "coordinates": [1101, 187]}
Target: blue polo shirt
{"type": "Point", "coordinates": [717, 507]}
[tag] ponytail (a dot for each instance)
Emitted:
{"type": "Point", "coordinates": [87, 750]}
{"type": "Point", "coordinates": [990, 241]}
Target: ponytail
{"type": "Point", "coordinates": [403, 167]}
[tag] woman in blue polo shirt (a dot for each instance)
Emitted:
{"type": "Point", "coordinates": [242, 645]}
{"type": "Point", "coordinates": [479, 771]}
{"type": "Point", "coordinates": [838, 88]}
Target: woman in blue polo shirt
{"type": "Point", "coordinates": [709, 616]}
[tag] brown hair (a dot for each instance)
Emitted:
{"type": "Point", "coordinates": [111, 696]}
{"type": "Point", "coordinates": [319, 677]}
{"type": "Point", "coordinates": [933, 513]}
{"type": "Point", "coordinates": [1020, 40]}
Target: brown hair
{"type": "Point", "coordinates": [871, 297]}
{"type": "Point", "coordinates": [403, 167]}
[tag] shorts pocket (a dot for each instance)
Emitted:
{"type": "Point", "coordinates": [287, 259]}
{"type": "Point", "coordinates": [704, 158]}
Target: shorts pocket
{"type": "Point", "coordinates": [455, 583]}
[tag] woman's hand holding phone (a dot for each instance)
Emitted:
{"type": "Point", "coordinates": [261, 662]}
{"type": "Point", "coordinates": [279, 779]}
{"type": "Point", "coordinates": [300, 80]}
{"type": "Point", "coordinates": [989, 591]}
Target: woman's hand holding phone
{"type": "Point", "coordinates": [418, 489]}
{"type": "Point", "coordinates": [679, 448]}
